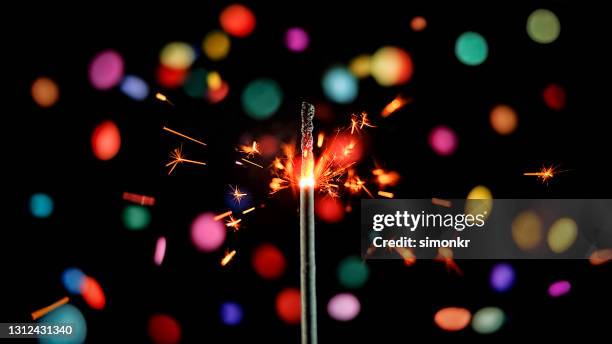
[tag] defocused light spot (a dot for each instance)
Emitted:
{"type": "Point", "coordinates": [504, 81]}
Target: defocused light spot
{"type": "Point", "coordinates": [288, 306]}
{"type": "Point", "coordinates": [217, 95]}
{"type": "Point", "coordinates": [216, 45]}
{"type": "Point", "coordinates": [164, 329]}
{"type": "Point", "coordinates": [65, 315]}
{"type": "Point", "coordinates": [296, 39]}
{"type": "Point", "coordinates": [502, 277]}
{"type": "Point", "coordinates": [207, 234]}
{"type": "Point", "coordinates": [237, 20]}
{"type": "Point", "coordinates": [488, 320]}
{"type": "Point", "coordinates": [195, 85]}
{"type": "Point", "coordinates": [268, 261]}
{"type": "Point", "coordinates": [73, 279]}
{"type": "Point", "coordinates": [41, 205]}
{"type": "Point", "coordinates": [443, 140]}
{"type": "Point", "coordinates": [160, 251]}
{"type": "Point", "coordinates": [106, 70]}
{"type": "Point", "coordinates": [452, 318]}
{"type": "Point", "coordinates": [562, 234]}
{"type": "Point", "coordinates": [559, 288]}
{"type": "Point", "coordinates": [169, 77]}
{"type": "Point", "coordinates": [471, 48]}
{"type": "Point", "coordinates": [329, 209]}
{"type": "Point", "coordinates": [418, 24]}
{"type": "Point", "coordinates": [479, 201]}
{"type": "Point", "coordinates": [527, 230]}
{"type": "Point", "coordinates": [554, 97]}
{"type": "Point", "coordinates": [391, 66]}
{"type": "Point", "coordinates": [134, 87]}
{"type": "Point", "coordinates": [213, 80]}
{"type": "Point", "coordinates": [45, 92]}
{"type": "Point", "coordinates": [353, 272]}
{"type": "Point", "coordinates": [177, 55]}
{"type": "Point", "coordinates": [231, 313]}
{"type": "Point", "coordinates": [360, 66]}
{"type": "Point", "coordinates": [136, 217]}
{"type": "Point", "coordinates": [269, 145]}
{"type": "Point", "coordinates": [543, 26]}
{"type": "Point", "coordinates": [339, 85]}
{"type": "Point", "coordinates": [503, 119]}
{"type": "Point", "coordinates": [261, 98]}
{"type": "Point", "coordinates": [601, 256]}
{"type": "Point", "coordinates": [343, 307]}
{"type": "Point", "coordinates": [106, 140]}
{"type": "Point", "coordinates": [93, 293]}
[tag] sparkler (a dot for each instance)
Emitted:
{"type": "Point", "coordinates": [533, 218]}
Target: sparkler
{"type": "Point", "coordinates": [307, 233]}
{"type": "Point", "coordinates": [544, 174]}
{"type": "Point", "coordinates": [177, 157]}
{"type": "Point", "coordinates": [41, 312]}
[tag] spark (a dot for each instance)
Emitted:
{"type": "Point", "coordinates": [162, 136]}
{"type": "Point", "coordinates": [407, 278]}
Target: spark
{"type": "Point", "coordinates": [441, 202]}
{"type": "Point", "coordinates": [544, 174]}
{"type": "Point", "coordinates": [138, 199]}
{"type": "Point", "coordinates": [183, 135]}
{"type": "Point", "coordinates": [385, 178]}
{"type": "Point", "coordinates": [177, 157]}
{"type": "Point", "coordinates": [320, 139]}
{"type": "Point", "coordinates": [41, 312]}
{"type": "Point", "coordinates": [355, 184]}
{"type": "Point", "coordinates": [228, 257]}
{"type": "Point", "coordinates": [248, 210]}
{"type": "Point", "coordinates": [237, 194]}
{"type": "Point", "coordinates": [407, 255]}
{"type": "Point", "coordinates": [385, 194]}
{"type": "Point", "coordinates": [222, 215]}
{"type": "Point", "coordinates": [358, 122]}
{"type": "Point", "coordinates": [250, 162]}
{"type": "Point", "coordinates": [251, 150]}
{"type": "Point", "coordinates": [233, 223]}
{"type": "Point", "coordinates": [445, 255]}
{"type": "Point", "coordinates": [396, 104]}
{"type": "Point", "coordinates": [163, 98]}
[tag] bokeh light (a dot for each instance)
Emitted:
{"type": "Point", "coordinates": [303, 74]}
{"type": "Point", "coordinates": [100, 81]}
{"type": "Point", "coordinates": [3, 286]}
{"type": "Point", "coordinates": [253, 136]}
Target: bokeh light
{"type": "Point", "coordinates": [134, 87]}
{"type": "Point", "coordinates": [268, 261]}
{"type": "Point", "coordinates": [601, 256]}
{"type": "Point", "coordinates": [237, 20]}
{"type": "Point", "coordinates": [443, 140]}
{"type": "Point", "coordinates": [418, 24]}
{"type": "Point", "coordinates": [231, 313]}
{"type": "Point", "coordinates": [340, 85]}
{"type": "Point", "coordinates": [41, 205]}
{"type": "Point", "coordinates": [360, 66]}
{"type": "Point", "coordinates": [288, 306]}
{"type": "Point", "coordinates": [562, 235]}
{"type": "Point", "coordinates": [343, 307]}
{"type": "Point", "coordinates": [177, 55]}
{"type": "Point", "coordinates": [296, 39]}
{"type": "Point", "coordinates": [391, 66]}
{"type": "Point", "coordinates": [65, 315]}
{"type": "Point", "coordinates": [215, 96]}
{"type": "Point", "coordinates": [527, 230]}
{"type": "Point", "coordinates": [207, 234]}
{"type": "Point", "coordinates": [261, 98]}
{"type": "Point", "coordinates": [543, 26]}
{"type": "Point", "coordinates": [352, 272]}
{"type": "Point", "coordinates": [471, 48]}
{"type": "Point", "coordinates": [73, 279]}
{"type": "Point", "coordinates": [502, 277]}
{"type": "Point", "coordinates": [196, 83]}
{"type": "Point", "coordinates": [488, 320]}
{"type": "Point", "coordinates": [554, 97]}
{"type": "Point", "coordinates": [559, 288]}
{"type": "Point", "coordinates": [164, 329]}
{"type": "Point", "coordinates": [170, 77]}
{"type": "Point", "coordinates": [479, 201]}
{"type": "Point", "coordinates": [329, 209]}
{"type": "Point", "coordinates": [106, 140]}
{"type": "Point", "coordinates": [136, 217]}
{"type": "Point", "coordinates": [452, 318]}
{"type": "Point", "coordinates": [93, 294]}
{"type": "Point", "coordinates": [45, 92]}
{"type": "Point", "coordinates": [106, 70]}
{"type": "Point", "coordinates": [503, 119]}
{"type": "Point", "coordinates": [216, 45]}
{"type": "Point", "coordinates": [160, 251]}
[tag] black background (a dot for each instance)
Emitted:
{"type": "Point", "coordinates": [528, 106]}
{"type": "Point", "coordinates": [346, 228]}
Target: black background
{"type": "Point", "coordinates": [48, 150]}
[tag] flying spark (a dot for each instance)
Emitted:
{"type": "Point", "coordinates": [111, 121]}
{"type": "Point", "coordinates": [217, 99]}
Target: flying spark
{"type": "Point", "coordinates": [250, 162]}
{"type": "Point", "coordinates": [177, 157]}
{"type": "Point", "coordinates": [228, 257]}
{"type": "Point", "coordinates": [248, 210]}
{"type": "Point", "coordinates": [385, 194]}
{"type": "Point", "coordinates": [222, 215]}
{"type": "Point", "coordinates": [237, 194]}
{"type": "Point", "coordinates": [544, 175]}
{"type": "Point", "coordinates": [396, 104]}
{"type": "Point", "coordinates": [251, 150]}
{"type": "Point", "coordinates": [233, 223]}
{"type": "Point", "coordinates": [183, 135]}
{"type": "Point", "coordinates": [163, 98]}
{"type": "Point", "coordinates": [358, 122]}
